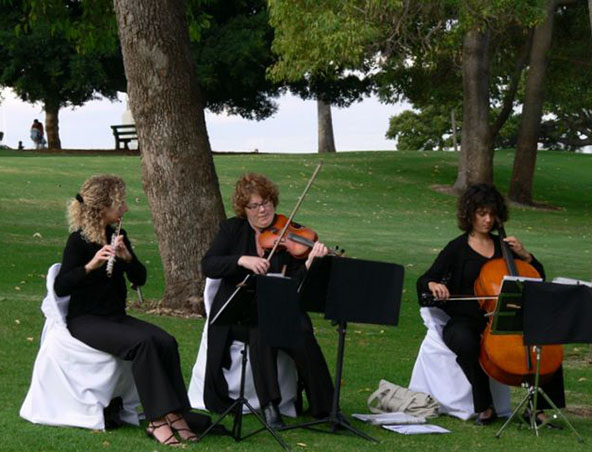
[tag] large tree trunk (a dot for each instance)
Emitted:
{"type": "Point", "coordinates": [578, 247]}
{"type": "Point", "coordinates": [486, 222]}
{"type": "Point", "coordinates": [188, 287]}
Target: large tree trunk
{"type": "Point", "coordinates": [590, 12]}
{"type": "Point", "coordinates": [177, 167]}
{"type": "Point", "coordinates": [532, 110]}
{"type": "Point", "coordinates": [326, 140]}
{"type": "Point", "coordinates": [476, 156]}
{"type": "Point", "coordinates": [52, 125]}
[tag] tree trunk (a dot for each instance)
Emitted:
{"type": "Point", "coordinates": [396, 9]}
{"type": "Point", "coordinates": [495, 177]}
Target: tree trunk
{"type": "Point", "coordinates": [326, 140]}
{"type": "Point", "coordinates": [178, 172]}
{"type": "Point", "coordinates": [590, 12]}
{"type": "Point", "coordinates": [476, 145]}
{"type": "Point", "coordinates": [453, 125]}
{"type": "Point", "coordinates": [532, 111]}
{"type": "Point", "coordinates": [52, 125]}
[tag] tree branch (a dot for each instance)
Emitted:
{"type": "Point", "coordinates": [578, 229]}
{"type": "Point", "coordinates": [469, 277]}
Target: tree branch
{"type": "Point", "coordinates": [508, 102]}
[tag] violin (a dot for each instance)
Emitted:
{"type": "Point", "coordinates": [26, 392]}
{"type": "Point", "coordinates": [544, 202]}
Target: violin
{"type": "Point", "coordinates": [504, 357]}
{"type": "Point", "coordinates": [298, 240]}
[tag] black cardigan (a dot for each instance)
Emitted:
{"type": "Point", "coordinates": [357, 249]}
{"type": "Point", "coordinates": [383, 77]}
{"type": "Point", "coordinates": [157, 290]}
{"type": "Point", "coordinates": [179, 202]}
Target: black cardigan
{"type": "Point", "coordinates": [235, 238]}
{"type": "Point", "coordinates": [95, 293]}
{"type": "Point", "coordinates": [457, 267]}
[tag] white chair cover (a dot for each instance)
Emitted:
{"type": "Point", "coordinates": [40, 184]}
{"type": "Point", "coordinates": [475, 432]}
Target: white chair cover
{"type": "Point", "coordinates": [72, 383]}
{"type": "Point", "coordinates": [287, 373]}
{"type": "Point", "coordinates": [436, 372]}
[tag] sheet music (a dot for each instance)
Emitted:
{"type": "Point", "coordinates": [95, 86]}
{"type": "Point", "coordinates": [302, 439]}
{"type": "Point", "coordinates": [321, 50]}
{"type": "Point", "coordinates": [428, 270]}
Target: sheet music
{"type": "Point", "coordinates": [389, 418]}
{"type": "Point", "coordinates": [415, 429]}
{"type": "Point", "coordinates": [520, 278]}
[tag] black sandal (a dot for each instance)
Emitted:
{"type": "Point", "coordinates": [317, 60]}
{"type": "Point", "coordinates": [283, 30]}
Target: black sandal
{"type": "Point", "coordinates": [192, 437]}
{"type": "Point", "coordinates": [170, 441]}
{"type": "Point", "coordinates": [486, 420]}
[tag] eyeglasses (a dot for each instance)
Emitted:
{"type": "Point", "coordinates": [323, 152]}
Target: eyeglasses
{"type": "Point", "coordinates": [256, 205]}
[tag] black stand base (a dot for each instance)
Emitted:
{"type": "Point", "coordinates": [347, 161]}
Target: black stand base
{"type": "Point", "coordinates": [336, 419]}
{"type": "Point", "coordinates": [237, 409]}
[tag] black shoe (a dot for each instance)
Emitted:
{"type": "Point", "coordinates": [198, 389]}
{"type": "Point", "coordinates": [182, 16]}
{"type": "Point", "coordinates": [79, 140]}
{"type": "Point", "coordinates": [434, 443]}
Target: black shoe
{"type": "Point", "coordinates": [486, 420]}
{"type": "Point", "coordinates": [112, 414]}
{"type": "Point", "coordinates": [540, 421]}
{"type": "Point", "coordinates": [272, 416]}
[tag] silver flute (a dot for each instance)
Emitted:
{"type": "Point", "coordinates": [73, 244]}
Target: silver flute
{"type": "Point", "coordinates": [111, 260]}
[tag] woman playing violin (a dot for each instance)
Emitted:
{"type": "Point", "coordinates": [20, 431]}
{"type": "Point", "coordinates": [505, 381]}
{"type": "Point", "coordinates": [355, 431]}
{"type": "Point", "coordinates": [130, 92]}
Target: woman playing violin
{"type": "Point", "coordinates": [481, 208]}
{"type": "Point", "coordinates": [235, 253]}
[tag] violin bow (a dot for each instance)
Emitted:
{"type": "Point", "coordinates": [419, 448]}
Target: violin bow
{"type": "Point", "coordinates": [296, 207]}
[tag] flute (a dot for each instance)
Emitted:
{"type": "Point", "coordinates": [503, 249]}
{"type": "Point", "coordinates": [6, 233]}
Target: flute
{"type": "Point", "coordinates": [111, 260]}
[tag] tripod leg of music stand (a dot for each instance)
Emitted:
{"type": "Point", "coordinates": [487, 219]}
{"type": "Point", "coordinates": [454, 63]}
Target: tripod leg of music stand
{"type": "Point", "coordinates": [514, 414]}
{"type": "Point", "coordinates": [557, 412]}
{"type": "Point", "coordinates": [335, 409]}
{"type": "Point", "coordinates": [344, 424]}
{"type": "Point", "coordinates": [238, 406]}
{"type": "Point", "coordinates": [336, 418]}
{"type": "Point", "coordinates": [238, 422]}
{"type": "Point", "coordinates": [228, 410]}
{"type": "Point", "coordinates": [537, 390]}
{"type": "Point", "coordinates": [265, 426]}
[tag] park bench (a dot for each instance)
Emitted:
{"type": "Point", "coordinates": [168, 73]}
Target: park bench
{"type": "Point", "coordinates": [124, 134]}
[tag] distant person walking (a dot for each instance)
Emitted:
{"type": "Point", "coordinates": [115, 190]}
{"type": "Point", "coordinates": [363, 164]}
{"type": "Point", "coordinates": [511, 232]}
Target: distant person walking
{"type": "Point", "coordinates": [37, 134]}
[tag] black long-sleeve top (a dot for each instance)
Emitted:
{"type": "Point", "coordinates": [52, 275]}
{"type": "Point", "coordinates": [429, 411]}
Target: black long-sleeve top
{"type": "Point", "coordinates": [235, 238]}
{"type": "Point", "coordinates": [95, 293]}
{"type": "Point", "coordinates": [457, 267]}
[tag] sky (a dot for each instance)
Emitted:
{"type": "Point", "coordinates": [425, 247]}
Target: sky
{"type": "Point", "coordinates": [292, 129]}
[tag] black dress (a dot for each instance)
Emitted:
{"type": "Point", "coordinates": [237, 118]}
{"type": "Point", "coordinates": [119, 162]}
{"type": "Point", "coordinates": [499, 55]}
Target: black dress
{"type": "Point", "coordinates": [457, 267]}
{"type": "Point", "coordinates": [236, 238]}
{"type": "Point", "coordinates": [97, 317]}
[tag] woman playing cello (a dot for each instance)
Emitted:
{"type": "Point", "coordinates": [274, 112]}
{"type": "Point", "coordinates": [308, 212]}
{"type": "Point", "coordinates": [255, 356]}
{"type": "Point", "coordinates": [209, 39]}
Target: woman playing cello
{"type": "Point", "coordinates": [480, 209]}
{"type": "Point", "coordinates": [235, 253]}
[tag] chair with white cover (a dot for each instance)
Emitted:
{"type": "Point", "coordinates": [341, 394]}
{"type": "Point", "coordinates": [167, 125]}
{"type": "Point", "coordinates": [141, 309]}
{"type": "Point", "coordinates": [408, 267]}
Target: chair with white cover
{"type": "Point", "coordinates": [436, 372]}
{"type": "Point", "coordinates": [287, 374]}
{"type": "Point", "coordinates": [72, 383]}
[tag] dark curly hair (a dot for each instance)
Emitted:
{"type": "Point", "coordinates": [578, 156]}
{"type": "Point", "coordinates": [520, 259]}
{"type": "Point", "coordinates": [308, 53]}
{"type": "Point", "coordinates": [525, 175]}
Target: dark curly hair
{"type": "Point", "coordinates": [477, 197]}
{"type": "Point", "coordinates": [250, 184]}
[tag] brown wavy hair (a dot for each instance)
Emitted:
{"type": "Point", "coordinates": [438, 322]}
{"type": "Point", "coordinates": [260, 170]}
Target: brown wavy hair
{"type": "Point", "coordinates": [97, 193]}
{"type": "Point", "coordinates": [477, 197]}
{"type": "Point", "coordinates": [250, 184]}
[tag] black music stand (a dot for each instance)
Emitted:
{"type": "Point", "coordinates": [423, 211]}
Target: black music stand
{"type": "Point", "coordinates": [244, 308]}
{"type": "Point", "coordinates": [552, 314]}
{"type": "Point", "coordinates": [350, 290]}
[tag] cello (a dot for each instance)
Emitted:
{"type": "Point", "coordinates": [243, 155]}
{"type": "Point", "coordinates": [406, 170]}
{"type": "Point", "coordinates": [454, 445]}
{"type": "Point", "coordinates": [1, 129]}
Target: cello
{"type": "Point", "coordinates": [504, 357]}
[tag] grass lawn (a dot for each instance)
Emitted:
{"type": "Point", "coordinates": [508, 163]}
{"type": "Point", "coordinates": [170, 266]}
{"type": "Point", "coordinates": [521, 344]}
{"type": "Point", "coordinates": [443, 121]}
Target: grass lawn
{"type": "Point", "coordinates": [376, 205]}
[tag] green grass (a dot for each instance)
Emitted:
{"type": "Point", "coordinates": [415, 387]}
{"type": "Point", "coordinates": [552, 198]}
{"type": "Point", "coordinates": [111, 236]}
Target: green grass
{"type": "Point", "coordinates": [376, 205]}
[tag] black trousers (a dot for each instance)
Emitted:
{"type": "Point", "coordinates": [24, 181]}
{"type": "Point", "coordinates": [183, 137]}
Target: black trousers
{"type": "Point", "coordinates": [154, 354]}
{"type": "Point", "coordinates": [463, 337]}
{"type": "Point", "coordinates": [310, 363]}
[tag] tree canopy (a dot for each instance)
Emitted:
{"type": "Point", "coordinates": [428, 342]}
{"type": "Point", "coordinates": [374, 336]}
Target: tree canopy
{"type": "Point", "coordinates": [43, 63]}
{"type": "Point", "coordinates": [402, 42]}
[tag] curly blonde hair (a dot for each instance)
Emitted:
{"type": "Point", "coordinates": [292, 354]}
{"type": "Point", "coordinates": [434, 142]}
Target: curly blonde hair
{"type": "Point", "coordinates": [85, 211]}
{"type": "Point", "coordinates": [251, 184]}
